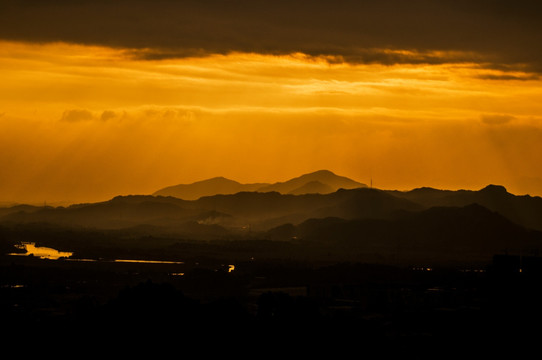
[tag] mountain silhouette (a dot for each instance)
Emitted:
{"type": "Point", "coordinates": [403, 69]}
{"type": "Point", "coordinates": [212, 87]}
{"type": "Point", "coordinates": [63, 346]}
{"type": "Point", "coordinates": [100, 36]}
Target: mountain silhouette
{"type": "Point", "coordinates": [214, 186]}
{"type": "Point", "coordinates": [524, 210]}
{"type": "Point", "coordinates": [350, 224]}
{"type": "Point", "coordinates": [450, 234]}
{"type": "Point", "coordinates": [313, 187]}
{"type": "Point", "coordinates": [322, 182]}
{"type": "Point", "coordinates": [265, 210]}
{"type": "Point", "coordinates": [22, 208]}
{"type": "Point", "coordinates": [325, 177]}
{"type": "Point", "coordinates": [258, 209]}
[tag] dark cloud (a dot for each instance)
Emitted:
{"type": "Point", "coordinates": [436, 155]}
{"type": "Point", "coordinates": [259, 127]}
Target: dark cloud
{"type": "Point", "coordinates": [496, 119]}
{"type": "Point", "coordinates": [108, 115]}
{"type": "Point", "coordinates": [501, 33]}
{"type": "Point", "coordinates": [509, 77]}
{"type": "Point", "coordinates": [76, 115]}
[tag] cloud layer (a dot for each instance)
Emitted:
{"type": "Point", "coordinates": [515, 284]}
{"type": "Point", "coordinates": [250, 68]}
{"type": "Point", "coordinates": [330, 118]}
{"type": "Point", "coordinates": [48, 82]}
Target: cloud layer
{"type": "Point", "coordinates": [499, 33]}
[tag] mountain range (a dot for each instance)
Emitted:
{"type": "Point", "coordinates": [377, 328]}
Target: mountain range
{"type": "Point", "coordinates": [322, 182]}
{"type": "Point", "coordinates": [321, 210]}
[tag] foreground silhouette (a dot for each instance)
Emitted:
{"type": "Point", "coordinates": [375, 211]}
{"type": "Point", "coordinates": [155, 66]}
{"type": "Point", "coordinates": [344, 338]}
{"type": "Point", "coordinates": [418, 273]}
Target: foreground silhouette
{"type": "Point", "coordinates": [342, 302]}
{"type": "Point", "coordinates": [401, 268]}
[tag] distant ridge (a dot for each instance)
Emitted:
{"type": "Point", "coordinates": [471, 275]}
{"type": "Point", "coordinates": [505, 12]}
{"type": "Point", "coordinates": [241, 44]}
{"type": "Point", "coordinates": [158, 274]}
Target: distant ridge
{"type": "Point", "coordinates": [420, 224]}
{"type": "Point", "coordinates": [325, 177]}
{"type": "Point", "coordinates": [313, 187]}
{"type": "Point", "coordinates": [209, 187]}
{"type": "Point", "coordinates": [321, 182]}
{"type": "Point", "coordinates": [524, 210]}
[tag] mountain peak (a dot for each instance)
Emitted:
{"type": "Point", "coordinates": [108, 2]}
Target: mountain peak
{"type": "Point", "coordinates": [218, 179]}
{"type": "Point", "coordinates": [322, 172]}
{"type": "Point", "coordinates": [497, 189]}
{"type": "Point", "coordinates": [212, 186]}
{"type": "Point", "coordinates": [320, 181]}
{"type": "Point", "coordinates": [323, 178]}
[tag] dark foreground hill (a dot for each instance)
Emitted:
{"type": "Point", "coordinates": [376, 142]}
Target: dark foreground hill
{"type": "Point", "coordinates": [254, 210]}
{"type": "Point", "coordinates": [525, 210]}
{"type": "Point", "coordinates": [470, 234]}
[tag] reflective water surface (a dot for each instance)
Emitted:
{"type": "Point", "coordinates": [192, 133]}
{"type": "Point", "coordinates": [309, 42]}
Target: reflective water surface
{"type": "Point", "coordinates": [149, 261]}
{"type": "Point", "coordinates": [41, 252]}
{"type": "Point", "coordinates": [53, 254]}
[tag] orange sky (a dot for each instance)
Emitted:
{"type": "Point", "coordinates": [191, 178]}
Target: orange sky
{"type": "Point", "coordinates": [86, 123]}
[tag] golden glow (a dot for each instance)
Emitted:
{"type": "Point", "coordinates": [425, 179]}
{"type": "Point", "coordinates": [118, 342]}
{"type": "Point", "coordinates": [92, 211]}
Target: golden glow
{"type": "Point", "coordinates": [81, 123]}
{"type": "Point", "coordinates": [42, 252]}
{"type": "Point", "coordinates": [148, 261]}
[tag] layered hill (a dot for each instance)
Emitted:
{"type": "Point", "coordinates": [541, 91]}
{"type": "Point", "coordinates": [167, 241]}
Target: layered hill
{"type": "Point", "coordinates": [321, 182]}
{"type": "Point", "coordinates": [524, 210]}
{"type": "Point", "coordinates": [358, 223]}
{"type": "Point", "coordinates": [214, 186]}
{"type": "Point", "coordinates": [441, 234]}
{"type": "Point", "coordinates": [265, 210]}
{"type": "Point", "coordinates": [257, 210]}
